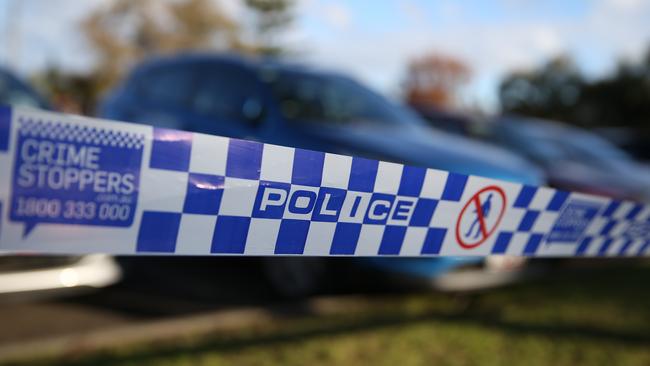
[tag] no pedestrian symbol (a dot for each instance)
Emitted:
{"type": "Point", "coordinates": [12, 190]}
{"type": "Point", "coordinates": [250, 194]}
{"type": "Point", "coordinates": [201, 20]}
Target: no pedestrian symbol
{"type": "Point", "coordinates": [480, 217]}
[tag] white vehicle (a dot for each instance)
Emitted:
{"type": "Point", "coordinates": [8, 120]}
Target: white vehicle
{"type": "Point", "coordinates": [32, 274]}
{"type": "Point", "coordinates": [52, 275]}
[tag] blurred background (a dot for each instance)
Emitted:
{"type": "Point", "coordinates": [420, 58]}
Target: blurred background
{"type": "Point", "coordinates": [537, 92]}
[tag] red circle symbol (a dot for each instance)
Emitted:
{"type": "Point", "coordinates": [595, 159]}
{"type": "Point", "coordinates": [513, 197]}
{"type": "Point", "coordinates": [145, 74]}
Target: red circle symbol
{"type": "Point", "coordinates": [484, 230]}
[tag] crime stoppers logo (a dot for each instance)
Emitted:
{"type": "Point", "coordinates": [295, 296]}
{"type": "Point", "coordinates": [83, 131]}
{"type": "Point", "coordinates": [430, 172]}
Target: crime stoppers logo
{"type": "Point", "coordinates": [74, 174]}
{"type": "Point", "coordinates": [480, 217]}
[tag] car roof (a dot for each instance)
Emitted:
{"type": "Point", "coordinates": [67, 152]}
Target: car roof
{"type": "Point", "coordinates": [539, 126]}
{"type": "Point", "coordinates": [246, 61]}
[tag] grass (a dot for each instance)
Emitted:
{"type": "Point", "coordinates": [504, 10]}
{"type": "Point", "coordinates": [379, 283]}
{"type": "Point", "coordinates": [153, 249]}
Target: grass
{"type": "Point", "coordinates": [594, 318]}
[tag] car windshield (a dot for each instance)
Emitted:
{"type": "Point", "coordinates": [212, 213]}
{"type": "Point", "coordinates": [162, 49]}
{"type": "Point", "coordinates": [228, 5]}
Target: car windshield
{"type": "Point", "coordinates": [332, 100]}
{"type": "Point", "coordinates": [556, 143]}
{"type": "Point", "coordinates": [595, 147]}
{"type": "Point", "coordinates": [13, 93]}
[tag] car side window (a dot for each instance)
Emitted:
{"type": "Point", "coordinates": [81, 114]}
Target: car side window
{"type": "Point", "coordinates": [12, 93]}
{"type": "Point", "coordinates": [333, 100]}
{"type": "Point", "coordinates": [223, 92]}
{"type": "Point", "coordinates": [169, 85]}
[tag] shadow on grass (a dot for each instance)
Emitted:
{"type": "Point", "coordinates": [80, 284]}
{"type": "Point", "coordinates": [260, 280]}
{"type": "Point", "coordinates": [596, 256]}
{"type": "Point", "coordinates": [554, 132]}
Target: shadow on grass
{"type": "Point", "coordinates": [626, 286]}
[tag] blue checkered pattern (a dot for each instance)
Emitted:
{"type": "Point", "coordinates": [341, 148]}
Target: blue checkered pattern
{"type": "Point", "coordinates": [613, 228]}
{"type": "Point", "coordinates": [77, 133]}
{"type": "Point", "coordinates": [201, 194]}
{"type": "Point", "coordinates": [621, 229]}
{"type": "Point", "coordinates": [227, 194]}
{"type": "Point", "coordinates": [532, 210]}
{"type": "Point", "coordinates": [227, 181]}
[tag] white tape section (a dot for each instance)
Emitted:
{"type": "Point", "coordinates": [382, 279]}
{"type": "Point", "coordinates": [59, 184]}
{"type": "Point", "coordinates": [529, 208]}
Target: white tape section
{"type": "Point", "coordinates": [71, 184]}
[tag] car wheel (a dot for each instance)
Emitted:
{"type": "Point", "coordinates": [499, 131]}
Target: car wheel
{"type": "Point", "coordinates": [295, 277]}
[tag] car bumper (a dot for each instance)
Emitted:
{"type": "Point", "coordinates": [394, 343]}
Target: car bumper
{"type": "Point", "coordinates": [478, 278]}
{"type": "Point", "coordinates": [454, 273]}
{"type": "Point", "coordinates": [91, 271]}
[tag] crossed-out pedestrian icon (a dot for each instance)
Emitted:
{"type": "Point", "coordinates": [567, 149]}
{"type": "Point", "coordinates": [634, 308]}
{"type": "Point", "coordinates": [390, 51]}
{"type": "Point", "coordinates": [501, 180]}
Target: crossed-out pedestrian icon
{"type": "Point", "coordinates": [480, 216]}
{"type": "Point", "coordinates": [484, 213]}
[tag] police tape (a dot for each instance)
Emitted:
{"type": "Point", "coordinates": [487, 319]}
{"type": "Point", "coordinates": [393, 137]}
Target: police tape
{"type": "Point", "coordinates": [72, 184]}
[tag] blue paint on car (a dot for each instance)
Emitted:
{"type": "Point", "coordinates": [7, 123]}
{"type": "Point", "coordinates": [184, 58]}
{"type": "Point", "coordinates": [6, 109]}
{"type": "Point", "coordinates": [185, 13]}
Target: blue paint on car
{"type": "Point", "coordinates": [285, 104]}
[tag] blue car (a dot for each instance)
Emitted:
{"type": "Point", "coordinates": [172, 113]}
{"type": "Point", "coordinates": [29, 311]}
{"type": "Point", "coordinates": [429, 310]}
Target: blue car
{"type": "Point", "coordinates": [572, 158]}
{"type": "Point", "coordinates": [293, 105]}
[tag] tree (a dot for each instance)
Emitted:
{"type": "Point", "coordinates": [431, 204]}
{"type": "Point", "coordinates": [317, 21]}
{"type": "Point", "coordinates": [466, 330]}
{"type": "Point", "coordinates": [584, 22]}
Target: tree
{"type": "Point", "coordinates": [435, 80]}
{"type": "Point", "coordinates": [558, 91]}
{"type": "Point", "coordinates": [127, 31]}
{"type": "Point", "coordinates": [70, 93]}
{"type": "Point", "coordinates": [271, 18]}
{"type": "Point", "coordinates": [550, 91]}
{"type": "Point", "coordinates": [622, 99]}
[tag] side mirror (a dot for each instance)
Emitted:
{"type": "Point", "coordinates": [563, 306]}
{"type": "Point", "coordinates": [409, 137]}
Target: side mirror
{"type": "Point", "coordinates": [253, 110]}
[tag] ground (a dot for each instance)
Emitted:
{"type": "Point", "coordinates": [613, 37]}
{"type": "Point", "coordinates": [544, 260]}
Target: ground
{"type": "Point", "coordinates": [593, 317]}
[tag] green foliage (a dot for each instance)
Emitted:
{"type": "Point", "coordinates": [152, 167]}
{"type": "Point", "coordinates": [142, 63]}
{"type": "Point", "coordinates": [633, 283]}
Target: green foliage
{"type": "Point", "coordinates": [128, 31]}
{"type": "Point", "coordinates": [271, 18]}
{"type": "Point", "coordinates": [124, 32]}
{"type": "Point", "coordinates": [558, 90]}
{"type": "Point", "coordinates": [591, 318]}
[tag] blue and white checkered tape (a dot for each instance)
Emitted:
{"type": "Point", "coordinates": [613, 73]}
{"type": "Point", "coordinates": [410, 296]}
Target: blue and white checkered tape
{"type": "Point", "coordinates": [80, 185]}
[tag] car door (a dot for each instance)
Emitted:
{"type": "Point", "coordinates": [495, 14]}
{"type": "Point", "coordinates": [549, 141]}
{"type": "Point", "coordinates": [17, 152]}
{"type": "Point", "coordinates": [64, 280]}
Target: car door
{"type": "Point", "coordinates": [227, 100]}
{"type": "Point", "coordinates": [161, 94]}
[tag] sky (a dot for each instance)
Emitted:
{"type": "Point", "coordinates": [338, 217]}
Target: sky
{"type": "Point", "coordinates": [374, 40]}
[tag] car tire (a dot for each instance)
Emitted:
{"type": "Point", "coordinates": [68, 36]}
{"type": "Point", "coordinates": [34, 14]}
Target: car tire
{"type": "Point", "coordinates": [293, 277]}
